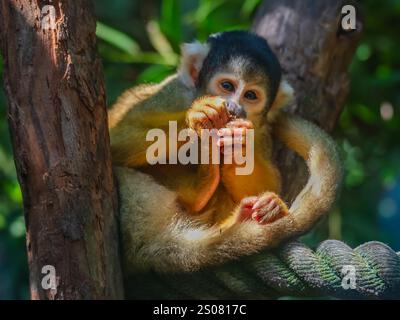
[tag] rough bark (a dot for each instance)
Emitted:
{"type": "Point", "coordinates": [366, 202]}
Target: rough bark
{"type": "Point", "coordinates": [315, 54]}
{"type": "Point", "coordinates": [57, 116]}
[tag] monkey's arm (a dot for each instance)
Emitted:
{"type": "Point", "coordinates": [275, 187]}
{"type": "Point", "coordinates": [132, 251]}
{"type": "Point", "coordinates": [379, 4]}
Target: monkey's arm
{"type": "Point", "coordinates": [142, 109]}
{"type": "Point", "coordinates": [128, 137]}
{"type": "Point", "coordinates": [194, 184]}
{"type": "Point", "coordinates": [129, 147]}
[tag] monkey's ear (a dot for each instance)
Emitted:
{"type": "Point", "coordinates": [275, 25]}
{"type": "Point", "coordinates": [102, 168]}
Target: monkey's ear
{"type": "Point", "coordinates": [283, 97]}
{"type": "Point", "coordinates": [193, 55]}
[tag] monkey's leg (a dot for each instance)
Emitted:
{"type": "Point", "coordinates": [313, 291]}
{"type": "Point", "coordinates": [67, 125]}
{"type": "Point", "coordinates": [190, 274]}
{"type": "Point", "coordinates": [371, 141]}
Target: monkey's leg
{"type": "Point", "coordinates": [264, 176]}
{"type": "Point", "coordinates": [194, 191]}
{"type": "Point", "coordinates": [157, 234]}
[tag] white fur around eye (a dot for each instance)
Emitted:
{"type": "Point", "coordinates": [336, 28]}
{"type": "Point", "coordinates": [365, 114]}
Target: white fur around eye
{"type": "Point", "coordinates": [193, 55]}
{"type": "Point", "coordinates": [287, 91]}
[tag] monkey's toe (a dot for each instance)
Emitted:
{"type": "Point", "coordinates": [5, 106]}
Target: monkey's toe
{"type": "Point", "coordinates": [245, 209]}
{"type": "Point", "coordinates": [269, 208]}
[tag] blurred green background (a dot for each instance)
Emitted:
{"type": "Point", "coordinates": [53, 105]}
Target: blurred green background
{"type": "Point", "coordinates": [139, 42]}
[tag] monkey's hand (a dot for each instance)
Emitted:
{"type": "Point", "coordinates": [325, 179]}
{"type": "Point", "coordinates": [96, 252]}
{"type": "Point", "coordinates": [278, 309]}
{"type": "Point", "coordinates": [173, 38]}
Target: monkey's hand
{"type": "Point", "coordinates": [233, 137]}
{"type": "Point", "coordinates": [265, 209]}
{"type": "Point", "coordinates": [207, 113]}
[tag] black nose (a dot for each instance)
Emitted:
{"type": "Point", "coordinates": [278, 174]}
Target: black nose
{"type": "Point", "coordinates": [235, 110]}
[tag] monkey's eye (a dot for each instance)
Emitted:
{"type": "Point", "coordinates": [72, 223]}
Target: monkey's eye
{"type": "Point", "coordinates": [227, 86]}
{"type": "Point", "coordinates": [250, 95]}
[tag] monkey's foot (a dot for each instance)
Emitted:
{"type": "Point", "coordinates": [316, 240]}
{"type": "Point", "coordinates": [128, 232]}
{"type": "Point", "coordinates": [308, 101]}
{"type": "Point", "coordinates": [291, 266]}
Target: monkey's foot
{"type": "Point", "coordinates": [264, 209]}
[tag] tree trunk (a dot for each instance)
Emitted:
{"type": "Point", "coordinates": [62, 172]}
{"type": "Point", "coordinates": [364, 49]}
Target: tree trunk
{"type": "Point", "coordinates": [315, 53]}
{"type": "Point", "coordinates": [58, 122]}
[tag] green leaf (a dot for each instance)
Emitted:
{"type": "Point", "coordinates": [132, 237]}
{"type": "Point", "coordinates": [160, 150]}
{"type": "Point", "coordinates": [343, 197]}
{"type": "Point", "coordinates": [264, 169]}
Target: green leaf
{"type": "Point", "coordinates": [355, 172]}
{"type": "Point", "coordinates": [17, 227]}
{"type": "Point", "coordinates": [155, 74]}
{"type": "Point", "coordinates": [2, 221]}
{"type": "Point", "coordinates": [118, 39]}
{"type": "Point", "coordinates": [171, 21]}
{"type": "Point", "coordinates": [14, 191]}
{"type": "Point", "coordinates": [118, 56]}
{"type": "Point", "coordinates": [7, 166]}
{"type": "Point", "coordinates": [367, 114]}
{"type": "Point", "coordinates": [248, 7]}
{"type": "Point", "coordinates": [363, 52]}
{"type": "Point", "coordinates": [205, 8]}
{"type": "Point", "coordinates": [161, 43]}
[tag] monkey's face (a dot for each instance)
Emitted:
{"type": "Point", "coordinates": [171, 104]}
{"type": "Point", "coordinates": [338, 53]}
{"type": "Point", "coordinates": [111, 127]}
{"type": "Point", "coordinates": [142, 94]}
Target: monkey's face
{"type": "Point", "coordinates": [246, 96]}
{"type": "Point", "coordinates": [237, 65]}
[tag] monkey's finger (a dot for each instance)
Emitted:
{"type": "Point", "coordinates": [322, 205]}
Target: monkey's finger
{"type": "Point", "coordinates": [222, 111]}
{"type": "Point", "coordinates": [270, 216]}
{"type": "Point", "coordinates": [245, 211]}
{"type": "Point", "coordinates": [216, 103]}
{"type": "Point", "coordinates": [233, 152]}
{"type": "Point", "coordinates": [240, 123]}
{"type": "Point", "coordinates": [230, 142]}
{"type": "Point", "coordinates": [231, 149]}
{"type": "Point", "coordinates": [198, 120]}
{"type": "Point", "coordinates": [241, 132]}
{"type": "Point", "coordinates": [225, 132]}
{"type": "Point", "coordinates": [271, 205]}
{"type": "Point", "coordinates": [232, 131]}
{"type": "Point", "coordinates": [244, 214]}
{"type": "Point", "coordinates": [236, 132]}
{"type": "Point", "coordinates": [201, 102]}
{"type": "Point", "coordinates": [213, 116]}
{"type": "Point", "coordinates": [262, 202]}
{"type": "Point", "coordinates": [259, 213]}
{"type": "Point", "coordinates": [225, 116]}
{"type": "Point", "coordinates": [248, 202]}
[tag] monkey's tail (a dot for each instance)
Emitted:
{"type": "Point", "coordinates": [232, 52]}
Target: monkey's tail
{"type": "Point", "coordinates": [325, 171]}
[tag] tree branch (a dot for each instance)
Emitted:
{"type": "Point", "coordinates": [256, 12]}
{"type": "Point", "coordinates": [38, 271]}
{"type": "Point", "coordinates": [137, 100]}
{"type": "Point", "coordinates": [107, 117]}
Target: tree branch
{"type": "Point", "coordinates": [315, 54]}
{"type": "Point", "coordinates": [58, 122]}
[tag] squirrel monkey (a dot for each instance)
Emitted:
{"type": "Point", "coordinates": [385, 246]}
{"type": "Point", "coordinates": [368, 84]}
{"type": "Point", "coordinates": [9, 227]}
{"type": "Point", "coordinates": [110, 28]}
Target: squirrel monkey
{"type": "Point", "coordinates": [177, 217]}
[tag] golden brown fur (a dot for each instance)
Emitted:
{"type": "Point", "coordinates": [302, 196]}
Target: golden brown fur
{"type": "Point", "coordinates": [180, 218]}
